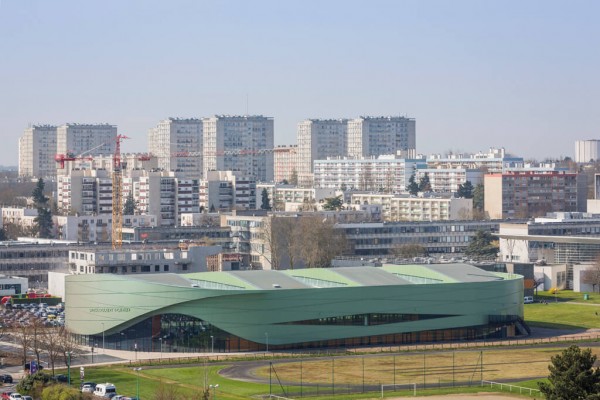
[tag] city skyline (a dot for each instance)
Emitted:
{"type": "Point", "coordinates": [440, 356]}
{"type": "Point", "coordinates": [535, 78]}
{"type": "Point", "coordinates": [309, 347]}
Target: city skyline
{"type": "Point", "coordinates": [474, 75]}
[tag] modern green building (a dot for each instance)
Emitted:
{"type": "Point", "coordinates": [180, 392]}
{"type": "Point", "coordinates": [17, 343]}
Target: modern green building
{"type": "Point", "coordinates": [258, 310]}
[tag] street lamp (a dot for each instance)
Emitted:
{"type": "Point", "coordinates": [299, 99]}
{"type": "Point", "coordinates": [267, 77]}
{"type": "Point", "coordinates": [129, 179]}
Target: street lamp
{"type": "Point", "coordinates": [137, 390]}
{"type": "Point", "coordinates": [212, 342]}
{"type": "Point", "coordinates": [161, 339]}
{"type": "Point", "coordinates": [267, 336]}
{"type": "Point", "coordinates": [69, 367]}
{"type": "Point", "coordinates": [214, 388]}
{"type": "Point", "coordinates": [102, 335]}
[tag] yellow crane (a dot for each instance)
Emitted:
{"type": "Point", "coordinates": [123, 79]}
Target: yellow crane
{"type": "Point", "coordinates": [117, 195]}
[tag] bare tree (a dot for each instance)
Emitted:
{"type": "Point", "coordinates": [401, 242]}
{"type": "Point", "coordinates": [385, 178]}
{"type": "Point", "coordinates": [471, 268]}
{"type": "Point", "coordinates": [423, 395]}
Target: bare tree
{"type": "Point", "coordinates": [409, 250]}
{"type": "Point", "coordinates": [321, 242]}
{"type": "Point", "coordinates": [591, 276]}
{"type": "Point", "coordinates": [166, 392]}
{"type": "Point", "coordinates": [23, 338]}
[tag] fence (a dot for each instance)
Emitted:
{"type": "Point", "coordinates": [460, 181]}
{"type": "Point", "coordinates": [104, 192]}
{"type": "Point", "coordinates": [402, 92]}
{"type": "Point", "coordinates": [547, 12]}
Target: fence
{"type": "Point", "coordinates": [503, 386]}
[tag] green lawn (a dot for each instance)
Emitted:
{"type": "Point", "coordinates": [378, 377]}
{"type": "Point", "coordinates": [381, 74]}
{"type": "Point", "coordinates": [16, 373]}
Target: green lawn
{"type": "Point", "coordinates": [560, 312]}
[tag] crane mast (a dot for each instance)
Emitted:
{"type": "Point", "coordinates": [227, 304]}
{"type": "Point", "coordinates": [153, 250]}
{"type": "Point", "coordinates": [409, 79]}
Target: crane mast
{"type": "Point", "coordinates": [117, 195]}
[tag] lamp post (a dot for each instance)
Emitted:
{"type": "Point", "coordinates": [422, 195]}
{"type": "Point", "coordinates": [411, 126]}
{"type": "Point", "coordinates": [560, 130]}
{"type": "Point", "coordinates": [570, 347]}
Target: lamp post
{"type": "Point", "coordinates": [135, 348]}
{"type": "Point", "coordinates": [267, 341]}
{"type": "Point", "coordinates": [161, 339]}
{"type": "Point", "coordinates": [69, 367]}
{"type": "Point", "coordinates": [212, 344]}
{"type": "Point", "coordinates": [102, 336]}
{"type": "Point", "coordinates": [214, 388]}
{"type": "Point", "coordinates": [137, 384]}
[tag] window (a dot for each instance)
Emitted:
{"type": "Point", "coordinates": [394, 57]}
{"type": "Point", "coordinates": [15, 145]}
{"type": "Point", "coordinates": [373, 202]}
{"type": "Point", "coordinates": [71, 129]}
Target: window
{"type": "Point", "coordinates": [166, 268]}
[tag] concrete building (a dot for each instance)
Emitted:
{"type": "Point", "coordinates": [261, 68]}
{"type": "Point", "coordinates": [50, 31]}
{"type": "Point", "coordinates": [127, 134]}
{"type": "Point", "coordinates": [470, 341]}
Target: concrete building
{"type": "Point", "coordinates": [448, 180]}
{"type": "Point", "coordinates": [88, 139]}
{"type": "Point", "coordinates": [410, 208]}
{"type": "Point", "coordinates": [495, 161]}
{"type": "Point", "coordinates": [387, 174]}
{"type": "Point", "coordinates": [239, 143]}
{"type": "Point", "coordinates": [292, 198]}
{"type": "Point", "coordinates": [10, 285]}
{"type": "Point", "coordinates": [95, 228]}
{"type": "Point", "coordinates": [531, 194]}
{"type": "Point", "coordinates": [285, 163]}
{"type": "Point", "coordinates": [37, 148]}
{"type": "Point", "coordinates": [447, 238]}
{"type": "Point", "coordinates": [226, 191]}
{"type": "Point", "coordinates": [319, 139]}
{"type": "Point", "coordinates": [375, 136]}
{"type": "Point", "coordinates": [178, 145]}
{"type": "Point", "coordinates": [157, 195]}
{"type": "Point", "coordinates": [20, 216]}
{"type": "Point", "coordinates": [86, 192]}
{"type": "Point", "coordinates": [587, 151]}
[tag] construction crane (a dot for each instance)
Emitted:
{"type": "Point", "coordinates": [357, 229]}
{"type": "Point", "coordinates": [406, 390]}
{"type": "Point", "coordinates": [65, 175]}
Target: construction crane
{"type": "Point", "coordinates": [61, 158]}
{"type": "Point", "coordinates": [117, 200]}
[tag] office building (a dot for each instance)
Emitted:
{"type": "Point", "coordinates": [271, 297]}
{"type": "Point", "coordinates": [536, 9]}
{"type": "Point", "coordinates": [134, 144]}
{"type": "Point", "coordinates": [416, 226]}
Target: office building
{"type": "Point", "coordinates": [239, 143]}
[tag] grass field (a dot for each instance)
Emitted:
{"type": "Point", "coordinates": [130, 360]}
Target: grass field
{"type": "Point", "coordinates": [432, 367]}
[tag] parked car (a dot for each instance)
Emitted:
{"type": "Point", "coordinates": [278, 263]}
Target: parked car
{"type": "Point", "coordinates": [105, 390]}
{"type": "Point", "coordinates": [26, 398]}
{"type": "Point", "coordinates": [528, 299]}
{"type": "Point", "coordinates": [61, 378]}
{"type": "Point", "coordinates": [5, 395]}
{"type": "Point", "coordinates": [6, 378]}
{"type": "Point", "coordinates": [15, 396]}
{"type": "Point", "coordinates": [88, 388]}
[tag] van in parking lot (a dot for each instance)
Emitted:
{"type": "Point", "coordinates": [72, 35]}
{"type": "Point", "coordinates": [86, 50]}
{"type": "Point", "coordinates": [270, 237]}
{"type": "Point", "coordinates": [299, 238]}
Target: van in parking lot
{"type": "Point", "coordinates": [528, 299]}
{"type": "Point", "coordinates": [104, 389]}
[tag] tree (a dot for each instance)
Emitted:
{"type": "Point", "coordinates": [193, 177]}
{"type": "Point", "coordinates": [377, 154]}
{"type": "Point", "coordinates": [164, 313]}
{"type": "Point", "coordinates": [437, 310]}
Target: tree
{"type": "Point", "coordinates": [572, 376]}
{"type": "Point", "coordinates": [3, 234]}
{"type": "Point", "coordinates": [483, 246]}
{"type": "Point", "coordinates": [465, 190]}
{"type": "Point", "coordinates": [265, 202]}
{"type": "Point", "coordinates": [478, 197]}
{"type": "Point", "coordinates": [424, 183]}
{"type": "Point", "coordinates": [321, 242]}
{"type": "Point", "coordinates": [43, 221]}
{"type": "Point", "coordinates": [333, 203]}
{"type": "Point", "coordinates": [130, 205]}
{"type": "Point", "coordinates": [294, 178]}
{"type": "Point", "coordinates": [413, 187]}
{"type": "Point", "coordinates": [591, 275]}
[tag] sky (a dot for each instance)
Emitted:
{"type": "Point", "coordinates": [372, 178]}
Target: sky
{"type": "Point", "coordinates": [523, 75]}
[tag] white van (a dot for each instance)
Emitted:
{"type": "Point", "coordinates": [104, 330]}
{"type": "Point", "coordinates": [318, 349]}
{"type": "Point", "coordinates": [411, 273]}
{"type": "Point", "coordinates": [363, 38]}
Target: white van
{"type": "Point", "coordinates": [102, 389]}
{"type": "Point", "coordinates": [528, 299]}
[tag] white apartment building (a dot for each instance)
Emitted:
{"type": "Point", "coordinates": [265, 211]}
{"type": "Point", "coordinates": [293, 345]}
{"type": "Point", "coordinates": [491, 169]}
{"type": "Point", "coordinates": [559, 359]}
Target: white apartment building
{"type": "Point", "coordinates": [86, 192]}
{"type": "Point", "coordinates": [239, 143]}
{"type": "Point", "coordinates": [178, 144]}
{"type": "Point", "coordinates": [447, 180]}
{"type": "Point", "coordinates": [91, 140]}
{"type": "Point", "coordinates": [291, 198]}
{"type": "Point", "coordinates": [410, 208]}
{"type": "Point", "coordinates": [94, 228]}
{"type": "Point", "coordinates": [20, 216]}
{"type": "Point", "coordinates": [157, 195]}
{"type": "Point", "coordinates": [375, 136]}
{"type": "Point", "coordinates": [37, 148]}
{"type": "Point", "coordinates": [319, 139]}
{"type": "Point", "coordinates": [385, 174]}
{"type": "Point", "coordinates": [587, 151]}
{"type": "Point", "coordinates": [227, 190]}
{"type": "Point", "coordinates": [129, 161]}
{"type": "Point", "coordinates": [494, 161]}
{"type": "Point", "coordinates": [285, 163]}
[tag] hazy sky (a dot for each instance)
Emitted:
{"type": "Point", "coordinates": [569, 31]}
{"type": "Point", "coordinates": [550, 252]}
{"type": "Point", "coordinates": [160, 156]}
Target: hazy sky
{"type": "Point", "coordinates": [475, 74]}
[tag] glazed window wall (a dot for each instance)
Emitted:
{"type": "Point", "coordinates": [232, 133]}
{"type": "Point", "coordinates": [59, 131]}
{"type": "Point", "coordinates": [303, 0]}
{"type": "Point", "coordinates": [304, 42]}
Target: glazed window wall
{"type": "Point", "coordinates": [172, 333]}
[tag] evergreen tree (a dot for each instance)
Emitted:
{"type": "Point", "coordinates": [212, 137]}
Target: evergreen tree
{"type": "Point", "coordinates": [478, 197]}
{"type": "Point", "coordinates": [424, 184]}
{"type": "Point", "coordinates": [413, 187]}
{"type": "Point", "coordinates": [3, 234]}
{"type": "Point", "coordinates": [572, 376]}
{"type": "Point", "coordinates": [294, 178]}
{"type": "Point", "coordinates": [43, 221]}
{"type": "Point", "coordinates": [130, 205]}
{"type": "Point", "coordinates": [465, 190]}
{"type": "Point", "coordinates": [265, 203]}
{"type": "Point", "coordinates": [333, 203]}
{"type": "Point", "coordinates": [484, 246]}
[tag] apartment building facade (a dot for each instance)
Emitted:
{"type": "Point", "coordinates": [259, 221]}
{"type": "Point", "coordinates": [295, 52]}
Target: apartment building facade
{"type": "Point", "coordinates": [524, 194]}
{"type": "Point", "coordinates": [448, 180]}
{"type": "Point", "coordinates": [494, 161]}
{"type": "Point", "coordinates": [411, 208]}
{"type": "Point", "coordinates": [177, 143]}
{"type": "Point", "coordinates": [88, 139]}
{"type": "Point", "coordinates": [319, 139]}
{"type": "Point", "coordinates": [387, 174]}
{"type": "Point", "coordinates": [375, 136]}
{"type": "Point", "coordinates": [285, 163]}
{"type": "Point", "coordinates": [37, 148]}
{"type": "Point", "coordinates": [226, 191]}
{"type": "Point", "coordinates": [239, 143]}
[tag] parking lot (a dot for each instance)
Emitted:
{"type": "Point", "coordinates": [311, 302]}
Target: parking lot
{"type": "Point", "coordinates": [28, 314]}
